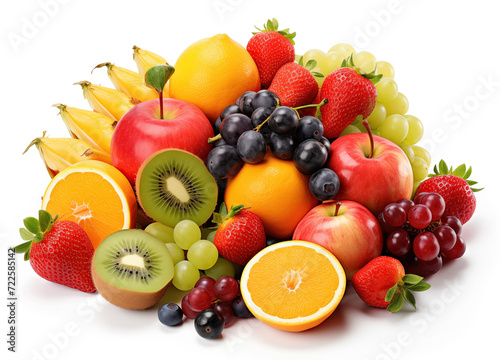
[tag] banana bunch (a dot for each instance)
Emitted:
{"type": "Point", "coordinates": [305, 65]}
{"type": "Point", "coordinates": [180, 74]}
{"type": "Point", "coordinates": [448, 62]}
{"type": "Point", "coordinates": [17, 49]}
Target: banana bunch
{"type": "Point", "coordinates": [91, 130]}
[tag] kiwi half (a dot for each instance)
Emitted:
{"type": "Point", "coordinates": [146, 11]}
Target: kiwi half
{"type": "Point", "coordinates": [132, 269]}
{"type": "Point", "coordinates": [173, 185]}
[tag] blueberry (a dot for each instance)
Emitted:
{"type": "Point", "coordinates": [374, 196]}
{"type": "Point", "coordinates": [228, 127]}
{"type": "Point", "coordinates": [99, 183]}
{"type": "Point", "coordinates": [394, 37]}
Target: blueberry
{"type": "Point", "coordinates": [324, 184]}
{"type": "Point", "coordinates": [170, 314]}
{"type": "Point", "coordinates": [223, 161]}
{"type": "Point", "coordinates": [309, 128]}
{"type": "Point", "coordinates": [251, 147]}
{"type": "Point", "coordinates": [310, 156]}
{"type": "Point", "coordinates": [240, 308]}
{"type": "Point", "coordinates": [209, 324]}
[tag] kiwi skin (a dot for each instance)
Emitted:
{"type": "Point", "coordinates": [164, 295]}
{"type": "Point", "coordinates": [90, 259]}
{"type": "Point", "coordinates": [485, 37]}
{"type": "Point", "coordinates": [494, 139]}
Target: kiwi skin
{"type": "Point", "coordinates": [126, 299]}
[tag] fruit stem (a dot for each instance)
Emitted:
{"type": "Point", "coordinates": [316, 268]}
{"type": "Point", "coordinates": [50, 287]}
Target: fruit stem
{"type": "Point", "coordinates": [215, 138]}
{"type": "Point", "coordinates": [156, 77]}
{"type": "Point", "coordinates": [337, 207]}
{"type": "Point", "coordinates": [323, 102]}
{"type": "Point", "coordinates": [370, 135]}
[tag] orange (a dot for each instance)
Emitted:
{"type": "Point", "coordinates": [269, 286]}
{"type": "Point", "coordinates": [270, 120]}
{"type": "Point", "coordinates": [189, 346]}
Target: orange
{"type": "Point", "coordinates": [293, 285]}
{"type": "Point", "coordinates": [95, 195]}
{"type": "Point", "coordinates": [212, 73]}
{"type": "Point", "coordinates": [274, 190]}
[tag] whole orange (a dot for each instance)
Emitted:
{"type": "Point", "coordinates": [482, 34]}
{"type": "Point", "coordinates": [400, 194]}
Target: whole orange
{"type": "Point", "coordinates": [274, 190]}
{"type": "Point", "coordinates": [212, 73]}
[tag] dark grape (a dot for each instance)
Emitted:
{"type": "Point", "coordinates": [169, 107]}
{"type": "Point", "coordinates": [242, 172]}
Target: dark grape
{"type": "Point", "coordinates": [209, 324]}
{"type": "Point", "coordinates": [427, 268]}
{"type": "Point", "coordinates": [170, 314]}
{"type": "Point", "coordinates": [233, 126]}
{"type": "Point", "coordinates": [398, 242]}
{"type": "Point", "coordinates": [324, 184]}
{"type": "Point", "coordinates": [419, 216]}
{"type": "Point", "coordinates": [224, 308]}
{"type": "Point", "coordinates": [245, 102]}
{"type": "Point", "coordinates": [217, 125]}
{"type": "Point", "coordinates": [207, 283]}
{"type": "Point", "coordinates": [272, 241]}
{"type": "Point", "coordinates": [229, 110]}
{"type": "Point", "coordinates": [219, 143]}
{"type": "Point", "coordinates": [284, 120]}
{"type": "Point", "coordinates": [446, 237]}
{"type": "Point", "coordinates": [458, 250]}
{"type": "Point", "coordinates": [309, 128]}
{"type": "Point", "coordinates": [251, 147]}
{"type": "Point", "coordinates": [310, 156]}
{"type": "Point", "coordinates": [327, 143]}
{"type": "Point", "coordinates": [425, 246]}
{"type": "Point", "coordinates": [282, 146]}
{"type": "Point", "coordinates": [240, 308]}
{"type": "Point", "coordinates": [226, 288]}
{"type": "Point", "coordinates": [265, 98]}
{"type": "Point", "coordinates": [395, 214]}
{"type": "Point", "coordinates": [223, 161]}
{"type": "Point", "coordinates": [259, 115]}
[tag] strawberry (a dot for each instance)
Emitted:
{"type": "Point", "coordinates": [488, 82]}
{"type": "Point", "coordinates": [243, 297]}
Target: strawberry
{"type": "Point", "coordinates": [294, 84]}
{"type": "Point", "coordinates": [382, 283]}
{"type": "Point", "coordinates": [350, 93]}
{"type": "Point", "coordinates": [240, 234]}
{"type": "Point", "coordinates": [455, 188]}
{"type": "Point", "coordinates": [58, 251]}
{"type": "Point", "coordinates": [271, 49]}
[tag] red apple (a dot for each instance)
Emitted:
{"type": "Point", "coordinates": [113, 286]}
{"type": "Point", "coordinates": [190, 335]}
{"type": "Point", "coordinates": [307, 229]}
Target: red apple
{"type": "Point", "coordinates": [141, 132]}
{"type": "Point", "coordinates": [345, 228]}
{"type": "Point", "coordinates": [373, 181]}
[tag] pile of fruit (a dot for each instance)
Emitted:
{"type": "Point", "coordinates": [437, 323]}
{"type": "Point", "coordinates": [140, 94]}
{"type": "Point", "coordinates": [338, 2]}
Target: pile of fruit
{"type": "Point", "coordinates": [256, 181]}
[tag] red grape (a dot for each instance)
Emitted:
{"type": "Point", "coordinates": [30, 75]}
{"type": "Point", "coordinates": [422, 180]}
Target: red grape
{"type": "Point", "coordinates": [226, 288]}
{"type": "Point", "coordinates": [186, 309]}
{"type": "Point", "coordinates": [435, 203]}
{"type": "Point", "coordinates": [406, 204]}
{"type": "Point", "coordinates": [419, 197]}
{"type": "Point", "coordinates": [395, 214]}
{"type": "Point", "coordinates": [426, 268]}
{"type": "Point", "coordinates": [199, 299]}
{"type": "Point", "coordinates": [446, 237]}
{"type": "Point", "coordinates": [454, 222]}
{"type": "Point", "coordinates": [386, 228]}
{"type": "Point", "coordinates": [419, 216]}
{"type": "Point", "coordinates": [207, 283]}
{"type": "Point", "coordinates": [225, 309]}
{"type": "Point", "coordinates": [457, 250]}
{"type": "Point", "coordinates": [426, 246]}
{"type": "Point", "coordinates": [398, 242]}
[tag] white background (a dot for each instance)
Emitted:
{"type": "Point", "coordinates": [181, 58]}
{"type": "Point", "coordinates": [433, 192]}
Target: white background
{"type": "Point", "coordinates": [443, 52]}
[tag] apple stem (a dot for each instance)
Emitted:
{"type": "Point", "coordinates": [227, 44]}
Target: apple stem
{"type": "Point", "coordinates": [370, 135]}
{"type": "Point", "coordinates": [156, 78]}
{"type": "Point", "coordinates": [160, 95]}
{"type": "Point", "coordinates": [337, 207]}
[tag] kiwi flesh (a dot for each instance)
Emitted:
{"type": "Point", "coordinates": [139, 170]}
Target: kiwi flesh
{"type": "Point", "coordinates": [132, 269]}
{"type": "Point", "coordinates": [174, 185]}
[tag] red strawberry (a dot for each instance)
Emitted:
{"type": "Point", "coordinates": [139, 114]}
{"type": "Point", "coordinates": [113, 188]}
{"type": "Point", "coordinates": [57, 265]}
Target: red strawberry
{"type": "Point", "coordinates": [350, 93]}
{"type": "Point", "coordinates": [311, 111]}
{"type": "Point", "coordinates": [271, 49]}
{"type": "Point", "coordinates": [294, 84]}
{"type": "Point", "coordinates": [240, 234]}
{"type": "Point", "coordinates": [60, 251]}
{"type": "Point", "coordinates": [455, 188]}
{"type": "Point", "coordinates": [383, 283]}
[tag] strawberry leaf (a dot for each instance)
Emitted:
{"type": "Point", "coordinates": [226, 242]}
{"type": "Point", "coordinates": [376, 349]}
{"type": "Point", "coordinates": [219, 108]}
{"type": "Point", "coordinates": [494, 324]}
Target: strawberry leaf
{"type": "Point", "coordinates": [391, 292]}
{"type": "Point", "coordinates": [311, 64]}
{"type": "Point", "coordinates": [421, 286]}
{"type": "Point", "coordinates": [22, 248]}
{"type": "Point", "coordinates": [460, 171]}
{"type": "Point", "coordinates": [408, 296]}
{"type": "Point", "coordinates": [31, 224]}
{"type": "Point", "coordinates": [301, 61]}
{"type": "Point", "coordinates": [412, 279]}
{"type": "Point", "coordinates": [317, 74]}
{"type": "Point", "coordinates": [443, 168]}
{"type": "Point", "coordinates": [396, 304]}
{"type": "Point", "coordinates": [26, 235]}
{"type": "Point", "coordinates": [467, 174]}
{"type": "Point", "coordinates": [45, 220]}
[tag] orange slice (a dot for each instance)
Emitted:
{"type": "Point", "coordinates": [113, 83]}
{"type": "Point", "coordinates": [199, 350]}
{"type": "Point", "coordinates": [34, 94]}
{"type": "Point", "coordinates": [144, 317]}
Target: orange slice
{"type": "Point", "coordinates": [293, 285]}
{"type": "Point", "coordinates": [95, 195]}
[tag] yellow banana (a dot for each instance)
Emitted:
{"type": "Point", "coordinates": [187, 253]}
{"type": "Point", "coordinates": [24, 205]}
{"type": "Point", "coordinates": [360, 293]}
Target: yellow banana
{"type": "Point", "coordinates": [59, 153]}
{"type": "Point", "coordinates": [145, 59]}
{"type": "Point", "coordinates": [129, 82]}
{"type": "Point", "coordinates": [107, 101]}
{"type": "Point", "coordinates": [90, 126]}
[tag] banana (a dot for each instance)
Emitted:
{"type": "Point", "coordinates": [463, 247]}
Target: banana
{"type": "Point", "coordinates": [129, 82]}
{"type": "Point", "coordinates": [145, 59]}
{"type": "Point", "coordinates": [59, 153]}
{"type": "Point", "coordinates": [107, 101]}
{"type": "Point", "coordinates": [90, 126]}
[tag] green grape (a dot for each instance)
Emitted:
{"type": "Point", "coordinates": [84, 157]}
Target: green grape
{"type": "Point", "coordinates": [394, 128]}
{"type": "Point", "coordinates": [415, 187]}
{"type": "Point", "coordinates": [345, 50]}
{"type": "Point", "coordinates": [221, 268]}
{"type": "Point", "coordinates": [399, 105]}
{"type": "Point", "coordinates": [330, 62]}
{"type": "Point", "coordinates": [377, 116]}
{"type": "Point", "coordinates": [176, 252]}
{"type": "Point", "coordinates": [185, 275]}
{"type": "Point", "coordinates": [387, 90]}
{"type": "Point", "coordinates": [186, 233]}
{"type": "Point", "coordinates": [416, 130]}
{"type": "Point", "coordinates": [384, 68]}
{"type": "Point", "coordinates": [203, 254]}
{"type": "Point", "coordinates": [211, 236]}
{"type": "Point", "coordinates": [376, 132]}
{"type": "Point", "coordinates": [368, 67]}
{"type": "Point", "coordinates": [408, 150]}
{"type": "Point", "coordinates": [361, 128]}
{"type": "Point", "coordinates": [422, 153]}
{"type": "Point", "coordinates": [313, 54]}
{"type": "Point", "coordinates": [361, 57]}
{"type": "Point", "coordinates": [420, 169]}
{"type": "Point", "coordinates": [319, 79]}
{"type": "Point", "coordinates": [350, 129]}
{"type": "Point", "coordinates": [163, 232]}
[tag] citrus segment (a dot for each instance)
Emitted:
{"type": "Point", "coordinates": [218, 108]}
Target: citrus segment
{"type": "Point", "coordinates": [95, 195]}
{"type": "Point", "coordinates": [293, 285]}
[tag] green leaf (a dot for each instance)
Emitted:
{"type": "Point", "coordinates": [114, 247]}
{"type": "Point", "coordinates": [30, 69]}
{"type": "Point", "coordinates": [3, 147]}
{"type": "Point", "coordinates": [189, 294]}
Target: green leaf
{"type": "Point", "coordinates": [301, 61]}
{"type": "Point", "coordinates": [275, 24]}
{"type": "Point", "coordinates": [396, 304]}
{"type": "Point", "coordinates": [311, 64]}
{"type": "Point", "coordinates": [223, 209]}
{"type": "Point", "coordinates": [157, 76]}
{"type": "Point", "coordinates": [22, 248]}
{"type": "Point", "coordinates": [443, 168]}
{"type": "Point", "coordinates": [27, 255]}
{"type": "Point", "coordinates": [32, 224]}
{"type": "Point", "coordinates": [476, 189]}
{"type": "Point", "coordinates": [408, 296]}
{"type": "Point", "coordinates": [471, 182]}
{"type": "Point", "coordinates": [460, 171]}
{"type": "Point", "coordinates": [376, 79]}
{"type": "Point", "coordinates": [412, 279]}
{"type": "Point", "coordinates": [269, 25]}
{"type": "Point", "coordinates": [391, 292]}
{"type": "Point", "coordinates": [217, 218]}
{"type": "Point", "coordinates": [421, 286]}
{"type": "Point", "coordinates": [317, 74]}
{"type": "Point", "coordinates": [467, 174]}
{"type": "Point", "coordinates": [344, 63]}
{"type": "Point", "coordinates": [45, 220]}
{"type": "Point", "coordinates": [38, 237]}
{"type": "Point", "coordinates": [25, 234]}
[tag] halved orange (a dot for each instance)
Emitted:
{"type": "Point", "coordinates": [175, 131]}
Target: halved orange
{"type": "Point", "coordinates": [293, 285]}
{"type": "Point", "coordinates": [95, 195]}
